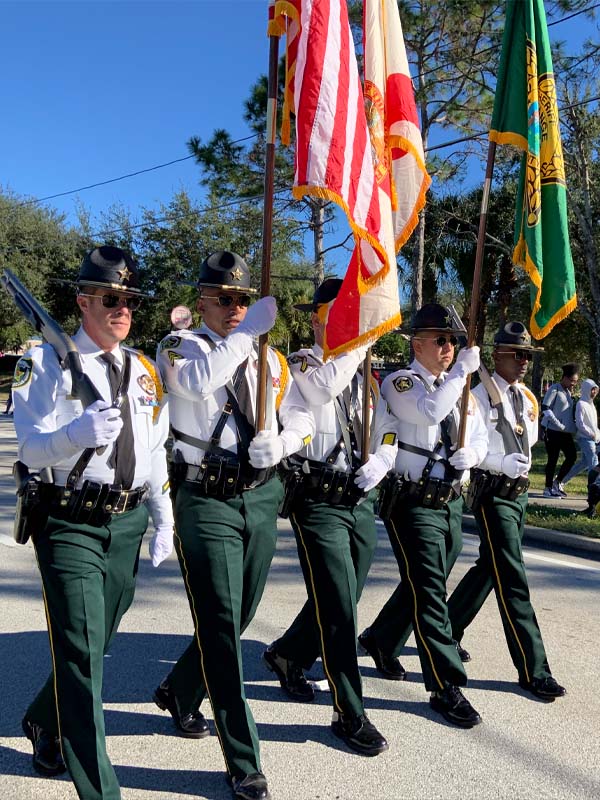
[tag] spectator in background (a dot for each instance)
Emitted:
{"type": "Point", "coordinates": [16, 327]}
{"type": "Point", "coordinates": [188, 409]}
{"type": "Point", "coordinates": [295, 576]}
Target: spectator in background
{"type": "Point", "coordinates": [593, 497]}
{"type": "Point", "coordinates": [559, 424]}
{"type": "Point", "coordinates": [586, 424]}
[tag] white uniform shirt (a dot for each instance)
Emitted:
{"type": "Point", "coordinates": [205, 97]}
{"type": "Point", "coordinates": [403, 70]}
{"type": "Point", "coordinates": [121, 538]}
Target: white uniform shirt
{"type": "Point", "coordinates": [196, 375]}
{"type": "Point", "coordinates": [44, 408]}
{"type": "Point", "coordinates": [319, 385]}
{"type": "Point", "coordinates": [414, 414]}
{"type": "Point", "coordinates": [493, 460]}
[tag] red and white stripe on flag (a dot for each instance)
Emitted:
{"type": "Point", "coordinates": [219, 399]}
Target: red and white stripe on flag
{"type": "Point", "coordinates": [337, 158]}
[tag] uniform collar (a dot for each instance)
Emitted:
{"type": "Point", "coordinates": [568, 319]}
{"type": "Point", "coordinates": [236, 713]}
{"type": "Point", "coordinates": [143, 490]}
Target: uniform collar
{"type": "Point", "coordinates": [503, 384]}
{"type": "Point", "coordinates": [87, 346]}
{"type": "Point", "coordinates": [216, 337]}
{"type": "Point", "coordinates": [416, 366]}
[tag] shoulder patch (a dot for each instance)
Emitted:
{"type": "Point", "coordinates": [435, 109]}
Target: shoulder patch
{"type": "Point", "coordinates": [403, 383]}
{"type": "Point", "coordinates": [533, 399]}
{"type": "Point", "coordinates": [170, 341]}
{"type": "Point", "coordinates": [23, 373]}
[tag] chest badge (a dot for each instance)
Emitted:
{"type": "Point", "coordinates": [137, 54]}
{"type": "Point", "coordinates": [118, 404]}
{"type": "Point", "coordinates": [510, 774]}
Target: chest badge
{"type": "Point", "coordinates": [146, 383]}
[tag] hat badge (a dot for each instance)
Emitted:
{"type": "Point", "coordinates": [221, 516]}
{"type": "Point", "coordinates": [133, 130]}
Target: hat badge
{"type": "Point", "coordinates": [124, 274]}
{"type": "Point", "coordinates": [237, 274]}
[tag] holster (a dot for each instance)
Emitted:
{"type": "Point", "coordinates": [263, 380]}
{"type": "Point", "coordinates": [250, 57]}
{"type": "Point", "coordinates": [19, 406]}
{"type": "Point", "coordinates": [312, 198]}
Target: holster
{"type": "Point", "coordinates": [293, 481]}
{"type": "Point", "coordinates": [31, 512]}
{"type": "Point", "coordinates": [220, 475]}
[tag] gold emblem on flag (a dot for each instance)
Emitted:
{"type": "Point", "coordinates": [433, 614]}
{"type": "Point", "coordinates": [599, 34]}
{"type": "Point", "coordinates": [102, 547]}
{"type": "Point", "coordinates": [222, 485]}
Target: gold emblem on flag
{"type": "Point", "coordinates": [374, 111]}
{"type": "Point", "coordinates": [545, 164]}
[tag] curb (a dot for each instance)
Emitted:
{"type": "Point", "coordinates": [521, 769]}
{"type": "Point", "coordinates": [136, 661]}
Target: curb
{"type": "Point", "coordinates": [546, 536]}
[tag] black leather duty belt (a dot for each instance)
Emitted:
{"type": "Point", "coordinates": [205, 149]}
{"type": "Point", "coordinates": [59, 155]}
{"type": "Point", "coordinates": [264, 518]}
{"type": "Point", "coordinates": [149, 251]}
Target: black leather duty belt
{"type": "Point", "coordinates": [222, 477]}
{"type": "Point", "coordinates": [94, 503]}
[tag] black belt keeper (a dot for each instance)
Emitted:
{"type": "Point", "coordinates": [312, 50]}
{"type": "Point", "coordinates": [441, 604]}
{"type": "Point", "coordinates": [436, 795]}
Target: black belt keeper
{"type": "Point", "coordinates": [432, 493]}
{"type": "Point", "coordinates": [484, 484]}
{"type": "Point", "coordinates": [94, 504]}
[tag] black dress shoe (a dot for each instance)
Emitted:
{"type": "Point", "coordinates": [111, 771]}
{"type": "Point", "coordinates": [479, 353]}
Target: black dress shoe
{"type": "Point", "coordinates": [291, 676]}
{"type": "Point", "coordinates": [47, 758]}
{"type": "Point", "coordinates": [359, 734]}
{"type": "Point", "coordinates": [191, 725]}
{"type": "Point", "coordinates": [454, 707]}
{"type": "Point", "coordinates": [545, 688]}
{"type": "Point", "coordinates": [251, 787]}
{"type": "Point", "coordinates": [463, 654]}
{"type": "Point", "coordinates": [388, 666]}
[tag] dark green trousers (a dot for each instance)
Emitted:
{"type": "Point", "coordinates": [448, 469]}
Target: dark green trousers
{"type": "Point", "coordinates": [426, 544]}
{"type": "Point", "coordinates": [88, 579]}
{"type": "Point", "coordinates": [500, 567]}
{"type": "Point", "coordinates": [225, 548]}
{"type": "Point", "coordinates": [336, 545]}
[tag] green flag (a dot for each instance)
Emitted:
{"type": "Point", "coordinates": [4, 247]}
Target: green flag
{"type": "Point", "coordinates": [526, 115]}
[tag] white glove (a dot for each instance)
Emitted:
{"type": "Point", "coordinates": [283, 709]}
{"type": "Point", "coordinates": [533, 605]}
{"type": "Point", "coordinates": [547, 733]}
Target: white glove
{"type": "Point", "coordinates": [515, 464]}
{"type": "Point", "coordinates": [465, 458]}
{"type": "Point", "coordinates": [371, 473]}
{"type": "Point", "coordinates": [161, 544]}
{"type": "Point", "coordinates": [99, 424]}
{"type": "Point", "coordinates": [468, 359]}
{"type": "Point", "coordinates": [259, 318]}
{"type": "Point", "coordinates": [266, 450]}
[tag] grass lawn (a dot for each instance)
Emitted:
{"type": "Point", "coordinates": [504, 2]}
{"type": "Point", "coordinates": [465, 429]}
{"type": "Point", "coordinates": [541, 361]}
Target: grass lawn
{"type": "Point", "coordinates": [559, 519]}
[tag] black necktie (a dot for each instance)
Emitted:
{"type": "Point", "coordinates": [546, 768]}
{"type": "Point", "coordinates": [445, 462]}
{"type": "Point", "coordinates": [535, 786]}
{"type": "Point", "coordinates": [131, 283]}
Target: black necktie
{"type": "Point", "coordinates": [449, 436]}
{"type": "Point", "coordinates": [122, 458]}
{"type": "Point", "coordinates": [521, 427]}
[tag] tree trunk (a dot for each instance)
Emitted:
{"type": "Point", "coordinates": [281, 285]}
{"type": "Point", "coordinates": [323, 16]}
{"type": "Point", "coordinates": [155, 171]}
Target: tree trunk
{"type": "Point", "coordinates": [418, 258]}
{"type": "Point", "coordinates": [317, 223]}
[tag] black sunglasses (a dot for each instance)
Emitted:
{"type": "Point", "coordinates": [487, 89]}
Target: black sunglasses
{"type": "Point", "coordinates": [440, 340]}
{"type": "Point", "coordinates": [519, 355]}
{"type": "Point", "coordinates": [226, 300]}
{"type": "Point", "coordinates": [113, 300]}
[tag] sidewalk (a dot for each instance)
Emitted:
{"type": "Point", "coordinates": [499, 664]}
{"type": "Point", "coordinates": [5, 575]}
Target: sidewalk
{"type": "Point", "coordinates": [541, 536]}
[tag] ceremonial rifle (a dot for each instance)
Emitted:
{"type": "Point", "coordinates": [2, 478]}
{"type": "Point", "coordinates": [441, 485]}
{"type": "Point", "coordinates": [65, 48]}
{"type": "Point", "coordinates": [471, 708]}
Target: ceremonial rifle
{"type": "Point", "coordinates": [68, 354]}
{"type": "Point", "coordinates": [503, 426]}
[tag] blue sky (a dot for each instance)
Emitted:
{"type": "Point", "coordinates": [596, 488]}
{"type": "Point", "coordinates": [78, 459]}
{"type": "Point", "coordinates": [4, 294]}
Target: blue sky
{"type": "Point", "coordinates": [94, 89]}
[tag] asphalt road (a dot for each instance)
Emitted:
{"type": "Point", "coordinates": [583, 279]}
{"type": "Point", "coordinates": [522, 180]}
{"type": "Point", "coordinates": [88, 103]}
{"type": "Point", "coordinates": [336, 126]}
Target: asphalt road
{"type": "Point", "coordinates": [524, 748]}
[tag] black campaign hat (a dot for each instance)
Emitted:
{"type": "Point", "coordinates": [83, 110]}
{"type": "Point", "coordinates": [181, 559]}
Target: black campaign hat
{"type": "Point", "coordinates": [324, 293]}
{"type": "Point", "coordinates": [110, 267]}
{"type": "Point", "coordinates": [516, 336]}
{"type": "Point", "coordinates": [225, 270]}
{"type": "Point", "coordinates": [433, 317]}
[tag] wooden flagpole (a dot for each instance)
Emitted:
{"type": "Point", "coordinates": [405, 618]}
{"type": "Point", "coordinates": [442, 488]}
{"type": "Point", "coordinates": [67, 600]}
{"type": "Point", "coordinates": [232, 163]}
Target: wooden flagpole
{"type": "Point", "coordinates": [366, 409]}
{"type": "Point", "coordinates": [474, 312]}
{"type": "Point", "coordinates": [267, 231]}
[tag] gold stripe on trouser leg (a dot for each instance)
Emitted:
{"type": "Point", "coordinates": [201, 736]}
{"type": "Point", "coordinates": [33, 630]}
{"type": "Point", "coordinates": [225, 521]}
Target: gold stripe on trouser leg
{"type": "Point", "coordinates": [185, 573]}
{"type": "Point", "coordinates": [500, 592]}
{"type": "Point", "coordinates": [417, 627]}
{"type": "Point", "coordinates": [314, 594]}
{"type": "Point", "coordinates": [51, 639]}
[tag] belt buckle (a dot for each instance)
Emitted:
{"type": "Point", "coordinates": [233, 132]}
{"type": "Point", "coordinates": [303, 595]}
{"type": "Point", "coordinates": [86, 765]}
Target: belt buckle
{"type": "Point", "coordinates": [121, 502]}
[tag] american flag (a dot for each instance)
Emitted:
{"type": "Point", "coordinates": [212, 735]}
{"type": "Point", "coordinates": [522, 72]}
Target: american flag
{"type": "Point", "coordinates": [343, 155]}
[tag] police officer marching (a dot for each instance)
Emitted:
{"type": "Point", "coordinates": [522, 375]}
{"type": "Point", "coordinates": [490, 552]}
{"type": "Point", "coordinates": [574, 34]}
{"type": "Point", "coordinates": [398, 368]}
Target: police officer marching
{"type": "Point", "coordinates": [102, 463]}
{"type": "Point", "coordinates": [422, 508]}
{"type": "Point", "coordinates": [332, 514]}
{"type": "Point", "coordinates": [499, 498]}
{"type": "Point", "coordinates": [226, 496]}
